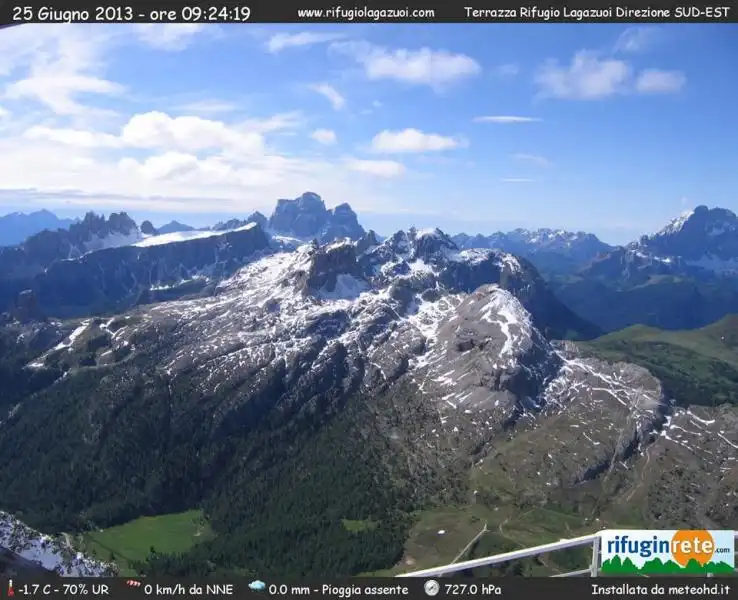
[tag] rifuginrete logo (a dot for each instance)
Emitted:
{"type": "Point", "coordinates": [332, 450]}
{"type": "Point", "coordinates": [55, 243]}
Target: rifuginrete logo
{"type": "Point", "coordinates": [635, 551]}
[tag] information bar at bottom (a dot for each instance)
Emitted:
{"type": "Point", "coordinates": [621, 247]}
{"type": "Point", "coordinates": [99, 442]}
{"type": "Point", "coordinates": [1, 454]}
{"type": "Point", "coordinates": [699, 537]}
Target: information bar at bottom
{"type": "Point", "coordinates": [672, 588]}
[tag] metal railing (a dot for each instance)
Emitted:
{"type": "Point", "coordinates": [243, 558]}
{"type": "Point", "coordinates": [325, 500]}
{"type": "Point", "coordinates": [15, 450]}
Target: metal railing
{"type": "Point", "coordinates": [564, 544]}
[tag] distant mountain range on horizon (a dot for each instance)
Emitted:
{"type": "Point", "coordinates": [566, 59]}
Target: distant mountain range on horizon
{"type": "Point", "coordinates": [553, 251]}
{"type": "Point", "coordinates": [16, 227]}
{"type": "Point", "coordinates": [692, 262]}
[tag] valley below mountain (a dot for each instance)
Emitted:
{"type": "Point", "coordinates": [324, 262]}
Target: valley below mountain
{"type": "Point", "coordinates": [334, 404]}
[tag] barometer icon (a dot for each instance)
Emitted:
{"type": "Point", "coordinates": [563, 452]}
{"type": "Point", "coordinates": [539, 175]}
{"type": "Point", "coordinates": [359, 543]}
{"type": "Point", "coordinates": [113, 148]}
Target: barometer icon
{"type": "Point", "coordinates": [431, 587]}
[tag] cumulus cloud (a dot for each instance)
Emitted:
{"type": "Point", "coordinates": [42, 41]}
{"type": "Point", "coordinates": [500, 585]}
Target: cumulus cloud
{"type": "Point", "coordinates": [331, 94]}
{"type": "Point", "coordinates": [324, 136]}
{"type": "Point", "coordinates": [155, 161]}
{"type": "Point", "coordinates": [159, 130]}
{"type": "Point", "coordinates": [435, 68]}
{"type": "Point", "coordinates": [590, 77]}
{"type": "Point", "coordinates": [411, 140]}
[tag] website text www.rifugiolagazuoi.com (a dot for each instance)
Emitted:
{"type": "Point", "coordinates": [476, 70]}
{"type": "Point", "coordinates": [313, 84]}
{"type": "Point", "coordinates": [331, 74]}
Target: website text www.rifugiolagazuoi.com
{"type": "Point", "coordinates": [340, 13]}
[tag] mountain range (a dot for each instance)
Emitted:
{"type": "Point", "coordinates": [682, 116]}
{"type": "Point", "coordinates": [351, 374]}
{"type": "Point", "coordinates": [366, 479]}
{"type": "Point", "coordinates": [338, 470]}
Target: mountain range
{"type": "Point", "coordinates": [331, 403]}
{"type": "Point", "coordinates": [683, 276]}
{"type": "Point", "coordinates": [553, 252]}
{"type": "Point", "coordinates": [16, 227]}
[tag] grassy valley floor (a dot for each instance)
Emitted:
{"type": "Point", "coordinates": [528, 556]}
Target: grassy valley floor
{"type": "Point", "coordinates": [133, 542]}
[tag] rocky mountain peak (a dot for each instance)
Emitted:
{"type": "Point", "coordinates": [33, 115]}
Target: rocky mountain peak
{"type": "Point", "coordinates": [121, 222]}
{"type": "Point", "coordinates": [310, 201]}
{"type": "Point", "coordinates": [174, 227]}
{"type": "Point", "coordinates": [399, 242]}
{"type": "Point", "coordinates": [94, 224]}
{"type": "Point", "coordinates": [255, 217]}
{"type": "Point", "coordinates": [147, 228]}
{"type": "Point", "coordinates": [367, 241]}
{"type": "Point", "coordinates": [344, 210]}
{"type": "Point", "coordinates": [302, 217]}
{"type": "Point", "coordinates": [259, 219]}
{"type": "Point", "coordinates": [702, 234]}
{"type": "Point", "coordinates": [430, 244]}
{"type": "Point", "coordinates": [331, 267]}
{"type": "Point", "coordinates": [306, 217]}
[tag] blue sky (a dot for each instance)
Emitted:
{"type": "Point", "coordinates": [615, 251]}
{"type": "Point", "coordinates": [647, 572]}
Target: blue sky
{"type": "Point", "coordinates": [607, 128]}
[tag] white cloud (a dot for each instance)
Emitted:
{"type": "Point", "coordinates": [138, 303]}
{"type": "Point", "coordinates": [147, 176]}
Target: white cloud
{"type": "Point", "coordinates": [186, 164]}
{"type": "Point", "coordinates": [168, 36]}
{"type": "Point", "coordinates": [411, 140]}
{"type": "Point", "coordinates": [56, 64]}
{"type": "Point", "coordinates": [653, 81]}
{"type": "Point", "coordinates": [280, 41]}
{"type": "Point", "coordinates": [57, 90]}
{"type": "Point", "coordinates": [636, 39]}
{"type": "Point", "coordinates": [59, 62]}
{"type": "Point", "coordinates": [74, 137]}
{"type": "Point", "coordinates": [162, 166]}
{"type": "Point", "coordinates": [159, 130]}
{"type": "Point", "coordinates": [590, 77]}
{"type": "Point", "coordinates": [379, 168]}
{"type": "Point", "coordinates": [517, 180]}
{"type": "Point", "coordinates": [331, 94]}
{"type": "Point", "coordinates": [533, 158]}
{"type": "Point", "coordinates": [324, 136]}
{"type": "Point", "coordinates": [435, 68]}
{"type": "Point", "coordinates": [4, 112]}
{"type": "Point", "coordinates": [587, 77]}
{"type": "Point", "coordinates": [175, 180]}
{"type": "Point", "coordinates": [505, 119]}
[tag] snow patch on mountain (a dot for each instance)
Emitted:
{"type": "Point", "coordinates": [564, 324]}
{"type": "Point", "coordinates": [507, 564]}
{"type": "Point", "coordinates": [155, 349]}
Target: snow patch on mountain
{"type": "Point", "coordinates": [675, 225]}
{"type": "Point", "coordinates": [184, 236]}
{"type": "Point", "coordinates": [50, 553]}
{"type": "Point", "coordinates": [513, 320]}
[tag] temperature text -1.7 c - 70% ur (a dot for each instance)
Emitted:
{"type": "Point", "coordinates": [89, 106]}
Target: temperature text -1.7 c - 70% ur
{"type": "Point", "coordinates": [68, 589]}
